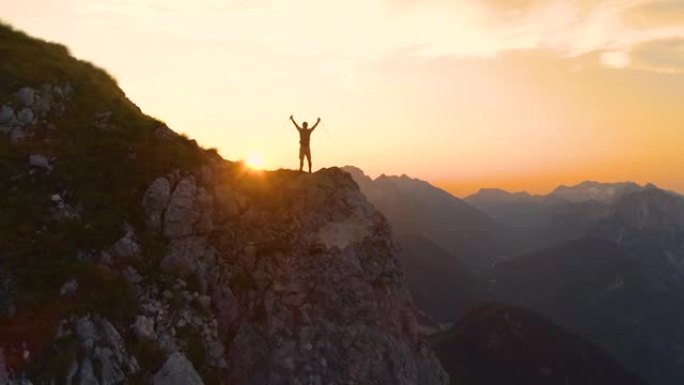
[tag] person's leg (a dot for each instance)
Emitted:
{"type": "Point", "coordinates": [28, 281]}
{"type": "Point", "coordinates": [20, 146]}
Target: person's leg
{"type": "Point", "coordinates": [308, 157]}
{"type": "Point", "coordinates": [301, 158]}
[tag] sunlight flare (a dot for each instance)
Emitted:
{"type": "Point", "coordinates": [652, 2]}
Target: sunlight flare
{"type": "Point", "coordinates": [255, 161]}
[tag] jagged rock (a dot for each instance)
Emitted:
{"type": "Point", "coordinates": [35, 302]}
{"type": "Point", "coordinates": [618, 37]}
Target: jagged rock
{"type": "Point", "coordinates": [204, 202]}
{"type": "Point", "coordinates": [155, 200]}
{"type": "Point", "coordinates": [103, 359]}
{"type": "Point", "coordinates": [69, 288]}
{"type": "Point", "coordinates": [43, 105]}
{"type": "Point", "coordinates": [181, 213]}
{"type": "Point", "coordinates": [110, 372]}
{"type": "Point", "coordinates": [227, 203]}
{"type": "Point", "coordinates": [204, 301]}
{"type": "Point", "coordinates": [26, 116]}
{"type": "Point", "coordinates": [40, 161]}
{"type": "Point", "coordinates": [26, 96]}
{"type": "Point", "coordinates": [127, 247]}
{"type": "Point", "coordinates": [177, 370]}
{"type": "Point", "coordinates": [183, 254]}
{"type": "Point", "coordinates": [7, 115]}
{"type": "Point", "coordinates": [226, 305]}
{"type": "Point", "coordinates": [144, 328]}
{"type": "Point", "coordinates": [86, 376]}
{"type": "Point", "coordinates": [86, 333]}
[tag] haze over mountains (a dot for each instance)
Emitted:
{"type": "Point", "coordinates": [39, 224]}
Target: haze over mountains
{"type": "Point", "coordinates": [603, 260]}
{"type": "Point", "coordinates": [129, 254]}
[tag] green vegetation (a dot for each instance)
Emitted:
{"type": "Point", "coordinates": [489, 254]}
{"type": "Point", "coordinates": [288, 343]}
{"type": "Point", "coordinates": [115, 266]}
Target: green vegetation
{"type": "Point", "coordinates": [104, 173]}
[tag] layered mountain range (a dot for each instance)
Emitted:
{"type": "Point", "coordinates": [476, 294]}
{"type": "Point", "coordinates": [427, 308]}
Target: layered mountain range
{"type": "Point", "coordinates": [603, 261]}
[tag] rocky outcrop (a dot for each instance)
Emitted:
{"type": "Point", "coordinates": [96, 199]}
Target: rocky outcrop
{"type": "Point", "coordinates": [95, 352]}
{"type": "Point", "coordinates": [284, 278]}
{"type": "Point", "coordinates": [25, 115]}
{"type": "Point", "coordinates": [177, 370]}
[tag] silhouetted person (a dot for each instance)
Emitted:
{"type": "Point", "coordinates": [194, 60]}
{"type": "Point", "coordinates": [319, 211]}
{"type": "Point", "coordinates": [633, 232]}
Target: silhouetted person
{"type": "Point", "coordinates": [304, 140]}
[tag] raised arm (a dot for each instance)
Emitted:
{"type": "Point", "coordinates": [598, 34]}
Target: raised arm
{"type": "Point", "coordinates": [317, 121]}
{"type": "Point", "coordinates": [295, 123]}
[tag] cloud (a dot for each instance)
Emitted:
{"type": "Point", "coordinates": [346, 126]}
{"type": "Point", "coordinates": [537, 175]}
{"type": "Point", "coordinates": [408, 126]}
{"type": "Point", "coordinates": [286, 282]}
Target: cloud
{"type": "Point", "coordinates": [666, 56]}
{"type": "Point", "coordinates": [362, 30]}
{"type": "Point", "coordinates": [616, 59]}
{"type": "Point", "coordinates": [656, 14]}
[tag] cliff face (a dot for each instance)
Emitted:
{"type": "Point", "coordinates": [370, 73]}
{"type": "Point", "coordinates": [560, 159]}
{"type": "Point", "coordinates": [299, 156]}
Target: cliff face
{"type": "Point", "coordinates": [130, 255]}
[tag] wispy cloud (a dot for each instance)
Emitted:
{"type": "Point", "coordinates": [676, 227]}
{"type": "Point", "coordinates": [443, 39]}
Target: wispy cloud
{"type": "Point", "coordinates": [363, 30]}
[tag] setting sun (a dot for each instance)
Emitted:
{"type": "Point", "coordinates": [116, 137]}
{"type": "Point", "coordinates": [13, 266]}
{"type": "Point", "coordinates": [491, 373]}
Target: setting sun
{"type": "Point", "coordinates": [255, 161]}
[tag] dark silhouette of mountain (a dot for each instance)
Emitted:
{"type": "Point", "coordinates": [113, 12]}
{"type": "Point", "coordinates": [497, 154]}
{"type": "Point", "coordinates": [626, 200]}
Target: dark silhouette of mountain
{"type": "Point", "coordinates": [609, 295]}
{"type": "Point", "coordinates": [439, 284]}
{"type": "Point", "coordinates": [415, 206]}
{"type": "Point", "coordinates": [499, 344]}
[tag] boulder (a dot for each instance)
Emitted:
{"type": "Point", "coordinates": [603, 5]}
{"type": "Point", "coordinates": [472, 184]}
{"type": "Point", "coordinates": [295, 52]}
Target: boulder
{"type": "Point", "coordinates": [86, 376]}
{"type": "Point", "coordinates": [26, 116]}
{"type": "Point", "coordinates": [69, 288]}
{"type": "Point", "coordinates": [104, 359]}
{"type": "Point", "coordinates": [177, 370]}
{"type": "Point", "coordinates": [226, 305]}
{"type": "Point", "coordinates": [40, 161]}
{"type": "Point", "coordinates": [7, 115]}
{"type": "Point", "coordinates": [182, 256]}
{"type": "Point", "coordinates": [143, 328]}
{"type": "Point", "coordinates": [181, 213]}
{"type": "Point", "coordinates": [155, 200]}
{"type": "Point", "coordinates": [127, 247]}
{"type": "Point", "coordinates": [26, 96]}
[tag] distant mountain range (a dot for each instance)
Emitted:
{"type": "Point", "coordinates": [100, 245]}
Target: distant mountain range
{"type": "Point", "coordinates": [611, 268]}
{"type": "Point", "coordinates": [415, 206]}
{"type": "Point", "coordinates": [605, 261]}
{"type": "Point", "coordinates": [442, 240]}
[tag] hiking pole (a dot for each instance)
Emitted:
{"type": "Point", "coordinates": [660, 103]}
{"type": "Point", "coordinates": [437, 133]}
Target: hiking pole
{"type": "Point", "coordinates": [327, 132]}
{"type": "Point", "coordinates": [280, 130]}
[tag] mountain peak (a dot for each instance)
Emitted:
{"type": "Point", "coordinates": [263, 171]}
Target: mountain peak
{"type": "Point", "coordinates": [592, 190]}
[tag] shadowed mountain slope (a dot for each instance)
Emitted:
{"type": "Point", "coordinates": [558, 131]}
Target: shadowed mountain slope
{"type": "Point", "coordinates": [497, 344]}
{"type": "Point", "coordinates": [608, 295]}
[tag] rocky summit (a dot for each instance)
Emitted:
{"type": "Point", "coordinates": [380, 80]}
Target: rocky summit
{"type": "Point", "coordinates": [130, 255]}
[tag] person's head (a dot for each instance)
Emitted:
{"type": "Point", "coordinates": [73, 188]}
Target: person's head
{"type": "Point", "coordinates": [305, 125]}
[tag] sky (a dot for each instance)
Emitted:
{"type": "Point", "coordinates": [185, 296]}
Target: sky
{"type": "Point", "coordinates": [514, 94]}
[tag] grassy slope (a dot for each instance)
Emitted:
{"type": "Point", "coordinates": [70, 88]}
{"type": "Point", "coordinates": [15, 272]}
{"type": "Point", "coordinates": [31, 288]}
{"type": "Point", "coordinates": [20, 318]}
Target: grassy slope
{"type": "Point", "coordinates": [106, 173]}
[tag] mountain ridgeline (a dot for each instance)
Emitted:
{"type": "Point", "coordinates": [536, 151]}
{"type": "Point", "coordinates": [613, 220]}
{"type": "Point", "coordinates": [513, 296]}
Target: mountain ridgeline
{"type": "Point", "coordinates": [130, 255]}
{"type": "Point", "coordinates": [603, 261]}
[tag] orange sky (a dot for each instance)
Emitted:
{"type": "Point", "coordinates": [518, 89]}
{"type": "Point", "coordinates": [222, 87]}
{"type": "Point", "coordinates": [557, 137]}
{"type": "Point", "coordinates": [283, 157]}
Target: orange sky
{"type": "Point", "coordinates": [517, 94]}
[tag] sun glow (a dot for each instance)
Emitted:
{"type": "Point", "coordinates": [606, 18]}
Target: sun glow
{"type": "Point", "coordinates": [255, 161]}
